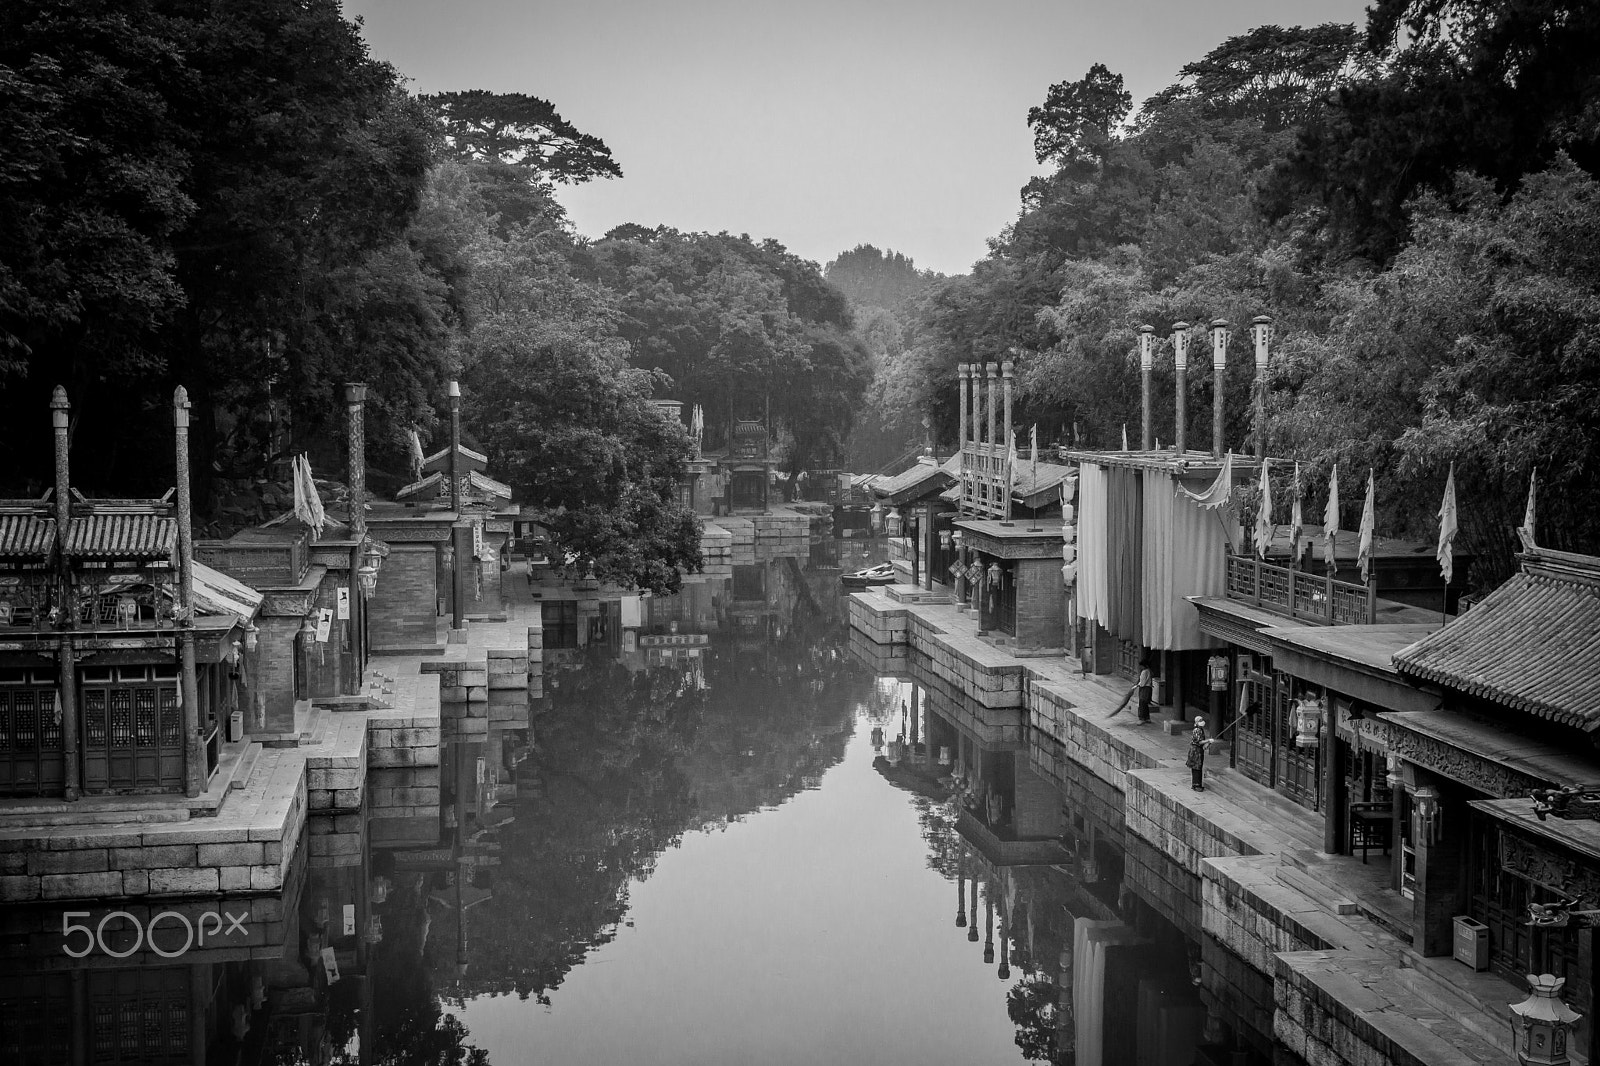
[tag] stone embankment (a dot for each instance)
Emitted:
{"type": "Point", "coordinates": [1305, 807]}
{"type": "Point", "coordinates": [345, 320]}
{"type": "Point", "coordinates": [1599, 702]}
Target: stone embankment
{"type": "Point", "coordinates": [1307, 949]}
{"type": "Point", "coordinates": [242, 835]}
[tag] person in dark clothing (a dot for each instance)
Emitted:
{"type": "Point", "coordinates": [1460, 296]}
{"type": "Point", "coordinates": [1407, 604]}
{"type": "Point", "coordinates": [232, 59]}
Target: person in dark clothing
{"type": "Point", "coordinates": [1144, 685]}
{"type": "Point", "coordinates": [1196, 760]}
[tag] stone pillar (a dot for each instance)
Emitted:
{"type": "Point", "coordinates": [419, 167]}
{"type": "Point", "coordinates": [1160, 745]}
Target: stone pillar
{"type": "Point", "coordinates": [963, 374]}
{"type": "Point", "coordinates": [1147, 362]}
{"type": "Point", "coordinates": [992, 373]}
{"type": "Point", "coordinates": [1219, 366]}
{"type": "Point", "coordinates": [66, 618]}
{"type": "Point", "coordinates": [961, 898]}
{"type": "Point", "coordinates": [355, 398]}
{"type": "Point", "coordinates": [1261, 333]}
{"type": "Point", "coordinates": [194, 769]}
{"type": "Point", "coordinates": [1006, 372]}
{"type": "Point", "coordinates": [1440, 859]}
{"type": "Point", "coordinates": [1180, 363]}
{"type": "Point", "coordinates": [1004, 972]}
{"type": "Point", "coordinates": [455, 447]}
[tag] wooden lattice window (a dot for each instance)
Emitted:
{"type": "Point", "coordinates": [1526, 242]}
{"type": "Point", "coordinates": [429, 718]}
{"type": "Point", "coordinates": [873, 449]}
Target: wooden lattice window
{"type": "Point", "coordinates": [121, 718]}
{"type": "Point", "coordinates": [94, 716]}
{"type": "Point", "coordinates": [144, 717]}
{"type": "Point", "coordinates": [171, 720]}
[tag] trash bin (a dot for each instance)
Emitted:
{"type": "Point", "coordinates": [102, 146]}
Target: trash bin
{"type": "Point", "coordinates": [1471, 942]}
{"type": "Point", "coordinates": [235, 727]}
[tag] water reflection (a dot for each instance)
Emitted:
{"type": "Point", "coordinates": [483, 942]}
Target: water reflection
{"type": "Point", "coordinates": [717, 829]}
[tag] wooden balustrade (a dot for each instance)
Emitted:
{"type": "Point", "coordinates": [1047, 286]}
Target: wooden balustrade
{"type": "Point", "coordinates": [1298, 594]}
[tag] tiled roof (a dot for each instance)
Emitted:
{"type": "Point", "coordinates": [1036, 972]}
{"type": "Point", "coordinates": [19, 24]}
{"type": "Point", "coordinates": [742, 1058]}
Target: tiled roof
{"type": "Point", "coordinates": [26, 536]}
{"type": "Point", "coordinates": [121, 536]}
{"type": "Point", "coordinates": [1051, 475]}
{"type": "Point", "coordinates": [436, 486]}
{"type": "Point", "coordinates": [917, 481]}
{"type": "Point", "coordinates": [1530, 644]}
{"type": "Point", "coordinates": [440, 460]}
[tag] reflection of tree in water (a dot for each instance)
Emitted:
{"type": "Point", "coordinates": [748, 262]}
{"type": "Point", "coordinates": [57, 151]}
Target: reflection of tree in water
{"type": "Point", "coordinates": [626, 762]}
{"type": "Point", "coordinates": [411, 1030]}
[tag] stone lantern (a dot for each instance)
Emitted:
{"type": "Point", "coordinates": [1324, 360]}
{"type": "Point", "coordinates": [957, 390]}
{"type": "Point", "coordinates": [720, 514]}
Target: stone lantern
{"type": "Point", "coordinates": [893, 524]}
{"type": "Point", "coordinates": [1540, 1023]}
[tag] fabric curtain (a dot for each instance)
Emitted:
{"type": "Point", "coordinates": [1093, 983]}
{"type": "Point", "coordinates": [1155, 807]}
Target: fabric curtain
{"type": "Point", "coordinates": [1125, 549]}
{"type": "Point", "coordinates": [1092, 562]}
{"type": "Point", "coordinates": [1184, 554]}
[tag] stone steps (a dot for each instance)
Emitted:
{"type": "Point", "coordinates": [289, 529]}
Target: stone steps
{"type": "Point", "coordinates": [76, 815]}
{"type": "Point", "coordinates": [1486, 1020]}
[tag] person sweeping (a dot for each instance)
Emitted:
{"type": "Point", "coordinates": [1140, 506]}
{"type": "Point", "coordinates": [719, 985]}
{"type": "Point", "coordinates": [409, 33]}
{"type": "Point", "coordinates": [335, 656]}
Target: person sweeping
{"type": "Point", "coordinates": [1141, 688]}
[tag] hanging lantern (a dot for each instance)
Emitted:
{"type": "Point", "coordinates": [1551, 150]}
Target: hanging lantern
{"type": "Point", "coordinates": [233, 652]}
{"type": "Point", "coordinates": [308, 629]}
{"type": "Point", "coordinates": [995, 575]}
{"type": "Point", "coordinates": [877, 516]}
{"type": "Point", "coordinates": [1217, 673]}
{"type": "Point", "coordinates": [1540, 1023]}
{"type": "Point", "coordinates": [945, 539]}
{"type": "Point", "coordinates": [944, 756]}
{"type": "Point", "coordinates": [447, 555]}
{"type": "Point", "coordinates": [1307, 723]}
{"type": "Point", "coordinates": [374, 933]}
{"type": "Point", "coordinates": [367, 579]}
{"type": "Point", "coordinates": [1394, 778]}
{"type": "Point", "coordinates": [380, 889]}
{"type": "Point", "coordinates": [1088, 870]}
{"type": "Point", "coordinates": [893, 524]}
{"type": "Point", "coordinates": [252, 637]}
{"type": "Point", "coordinates": [320, 918]}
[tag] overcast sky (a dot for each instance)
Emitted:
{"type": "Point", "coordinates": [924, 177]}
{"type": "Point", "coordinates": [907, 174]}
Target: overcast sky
{"type": "Point", "coordinates": [822, 123]}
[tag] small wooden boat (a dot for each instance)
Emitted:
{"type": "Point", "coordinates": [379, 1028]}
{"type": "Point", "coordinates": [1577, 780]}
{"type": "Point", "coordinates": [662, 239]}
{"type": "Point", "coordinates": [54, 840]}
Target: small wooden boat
{"type": "Point", "coordinates": [882, 574]}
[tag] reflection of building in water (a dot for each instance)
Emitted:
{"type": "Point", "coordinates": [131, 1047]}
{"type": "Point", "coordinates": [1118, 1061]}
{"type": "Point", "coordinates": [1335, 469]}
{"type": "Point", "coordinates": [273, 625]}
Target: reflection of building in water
{"type": "Point", "coordinates": [171, 983]}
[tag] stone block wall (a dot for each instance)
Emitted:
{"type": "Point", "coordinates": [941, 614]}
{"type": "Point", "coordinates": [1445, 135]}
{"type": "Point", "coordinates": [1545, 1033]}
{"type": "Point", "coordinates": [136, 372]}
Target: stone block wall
{"type": "Point", "coordinates": [879, 618]}
{"type": "Point", "coordinates": [1041, 604]}
{"type": "Point", "coordinates": [405, 605]}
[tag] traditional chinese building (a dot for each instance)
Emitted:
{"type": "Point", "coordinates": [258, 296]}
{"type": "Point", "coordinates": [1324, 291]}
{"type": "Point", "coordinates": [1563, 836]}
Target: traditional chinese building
{"type": "Point", "coordinates": [121, 660]}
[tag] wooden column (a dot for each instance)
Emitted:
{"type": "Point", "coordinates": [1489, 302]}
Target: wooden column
{"type": "Point", "coordinates": [195, 772]}
{"type": "Point", "coordinates": [66, 618]}
{"type": "Point", "coordinates": [458, 582]}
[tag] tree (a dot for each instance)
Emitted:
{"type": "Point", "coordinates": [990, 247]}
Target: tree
{"type": "Point", "coordinates": [523, 131]}
{"type": "Point", "coordinates": [1074, 128]}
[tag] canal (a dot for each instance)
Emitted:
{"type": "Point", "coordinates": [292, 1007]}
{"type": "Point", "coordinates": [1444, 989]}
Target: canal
{"type": "Point", "coordinates": [716, 830]}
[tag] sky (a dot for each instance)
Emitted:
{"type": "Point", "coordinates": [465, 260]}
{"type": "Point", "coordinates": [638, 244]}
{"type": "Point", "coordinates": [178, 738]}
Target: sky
{"type": "Point", "coordinates": [822, 123]}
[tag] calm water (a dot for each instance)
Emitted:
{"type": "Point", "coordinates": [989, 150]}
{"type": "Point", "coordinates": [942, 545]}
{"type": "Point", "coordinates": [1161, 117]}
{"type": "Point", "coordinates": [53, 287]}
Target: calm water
{"type": "Point", "coordinates": [710, 835]}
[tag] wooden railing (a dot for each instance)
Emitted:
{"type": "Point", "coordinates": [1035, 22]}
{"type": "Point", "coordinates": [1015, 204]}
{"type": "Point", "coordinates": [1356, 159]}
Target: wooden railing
{"type": "Point", "coordinates": [1298, 594]}
{"type": "Point", "coordinates": [984, 479]}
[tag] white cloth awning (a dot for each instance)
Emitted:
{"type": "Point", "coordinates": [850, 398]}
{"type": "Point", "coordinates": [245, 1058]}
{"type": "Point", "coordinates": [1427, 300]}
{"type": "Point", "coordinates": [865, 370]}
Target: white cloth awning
{"type": "Point", "coordinates": [217, 593]}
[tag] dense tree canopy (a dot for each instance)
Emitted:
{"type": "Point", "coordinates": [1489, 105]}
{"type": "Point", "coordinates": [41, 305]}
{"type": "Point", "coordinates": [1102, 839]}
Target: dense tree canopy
{"type": "Point", "coordinates": [1411, 204]}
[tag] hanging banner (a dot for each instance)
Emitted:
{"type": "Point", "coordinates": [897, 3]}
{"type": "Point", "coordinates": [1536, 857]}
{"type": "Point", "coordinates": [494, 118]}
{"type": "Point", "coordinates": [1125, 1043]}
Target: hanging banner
{"type": "Point", "coordinates": [349, 919]}
{"type": "Point", "coordinates": [477, 539]}
{"type": "Point", "coordinates": [343, 604]}
{"type": "Point", "coordinates": [324, 624]}
{"type": "Point", "coordinates": [330, 966]}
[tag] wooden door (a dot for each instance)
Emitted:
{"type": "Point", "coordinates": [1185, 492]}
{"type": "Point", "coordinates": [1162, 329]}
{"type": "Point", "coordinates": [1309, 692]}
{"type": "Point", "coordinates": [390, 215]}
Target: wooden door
{"type": "Point", "coordinates": [132, 729]}
{"type": "Point", "coordinates": [32, 761]}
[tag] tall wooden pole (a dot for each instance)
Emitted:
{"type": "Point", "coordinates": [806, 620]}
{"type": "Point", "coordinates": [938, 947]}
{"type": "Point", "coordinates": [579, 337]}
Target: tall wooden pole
{"type": "Point", "coordinates": [66, 616]}
{"type": "Point", "coordinates": [458, 581]}
{"type": "Point", "coordinates": [355, 398]}
{"type": "Point", "coordinates": [195, 772]}
{"type": "Point", "coordinates": [1180, 363]}
{"type": "Point", "coordinates": [1147, 362]}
